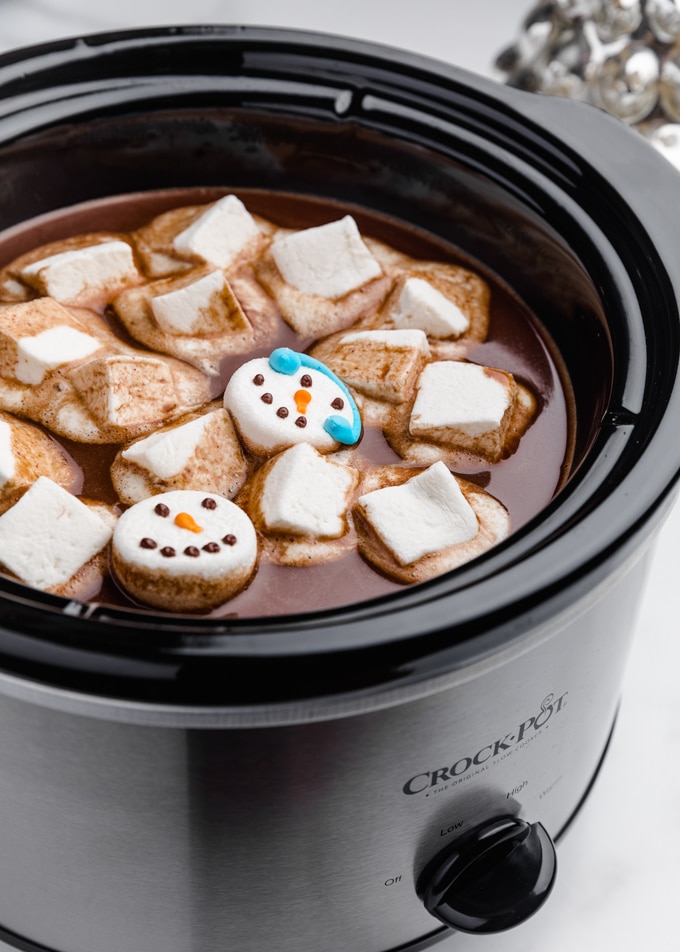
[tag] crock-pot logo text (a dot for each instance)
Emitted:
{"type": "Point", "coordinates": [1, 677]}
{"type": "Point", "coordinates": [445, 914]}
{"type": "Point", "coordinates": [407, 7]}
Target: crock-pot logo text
{"type": "Point", "coordinates": [486, 755]}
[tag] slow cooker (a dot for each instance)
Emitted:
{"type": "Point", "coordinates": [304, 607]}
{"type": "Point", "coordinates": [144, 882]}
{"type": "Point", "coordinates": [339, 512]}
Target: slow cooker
{"type": "Point", "coordinates": [369, 777]}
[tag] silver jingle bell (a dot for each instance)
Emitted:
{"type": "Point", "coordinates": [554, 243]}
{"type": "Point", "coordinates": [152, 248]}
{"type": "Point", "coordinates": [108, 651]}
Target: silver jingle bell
{"type": "Point", "coordinates": [566, 73]}
{"type": "Point", "coordinates": [627, 84]}
{"type": "Point", "coordinates": [663, 17]}
{"type": "Point", "coordinates": [617, 18]}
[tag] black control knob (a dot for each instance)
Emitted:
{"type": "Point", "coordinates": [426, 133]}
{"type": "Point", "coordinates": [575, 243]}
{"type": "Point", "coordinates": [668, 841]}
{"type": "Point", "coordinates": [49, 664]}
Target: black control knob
{"type": "Point", "coordinates": [492, 878]}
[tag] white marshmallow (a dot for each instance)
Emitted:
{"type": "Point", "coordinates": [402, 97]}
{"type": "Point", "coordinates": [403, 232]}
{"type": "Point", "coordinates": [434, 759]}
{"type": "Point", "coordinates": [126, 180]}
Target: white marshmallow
{"type": "Point", "coordinates": [421, 305]}
{"type": "Point", "coordinates": [424, 515]}
{"type": "Point", "coordinates": [460, 396]}
{"type": "Point", "coordinates": [270, 425]}
{"type": "Point", "coordinates": [52, 348]}
{"type": "Point", "coordinates": [219, 234]}
{"type": "Point", "coordinates": [382, 364]}
{"type": "Point", "coordinates": [329, 260]}
{"type": "Point", "coordinates": [306, 494]}
{"type": "Point", "coordinates": [167, 453]}
{"type": "Point", "coordinates": [142, 521]}
{"type": "Point", "coordinates": [126, 390]}
{"type": "Point", "coordinates": [399, 340]}
{"type": "Point", "coordinates": [71, 275]}
{"type": "Point", "coordinates": [49, 534]}
{"type": "Point", "coordinates": [184, 311]}
{"type": "Point", "coordinates": [7, 458]}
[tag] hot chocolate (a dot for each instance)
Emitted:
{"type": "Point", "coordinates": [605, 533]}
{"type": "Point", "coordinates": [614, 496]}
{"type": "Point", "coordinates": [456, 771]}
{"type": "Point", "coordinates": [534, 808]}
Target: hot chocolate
{"type": "Point", "coordinates": [373, 406]}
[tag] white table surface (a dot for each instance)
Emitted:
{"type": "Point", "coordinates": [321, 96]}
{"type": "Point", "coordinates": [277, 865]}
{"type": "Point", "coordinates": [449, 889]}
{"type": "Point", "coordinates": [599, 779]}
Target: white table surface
{"type": "Point", "coordinates": [618, 886]}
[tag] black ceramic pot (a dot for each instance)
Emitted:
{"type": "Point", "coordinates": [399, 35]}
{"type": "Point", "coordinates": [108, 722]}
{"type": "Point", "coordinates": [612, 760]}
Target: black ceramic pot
{"type": "Point", "coordinates": [360, 778]}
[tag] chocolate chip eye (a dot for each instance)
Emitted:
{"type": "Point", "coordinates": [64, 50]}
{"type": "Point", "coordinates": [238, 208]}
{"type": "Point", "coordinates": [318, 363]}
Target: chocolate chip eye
{"type": "Point", "coordinates": [282, 412]}
{"type": "Point", "coordinates": [305, 380]}
{"type": "Point", "coordinates": [209, 503]}
{"type": "Point", "coordinates": [229, 539]}
{"type": "Point", "coordinates": [168, 551]}
{"type": "Point", "coordinates": [338, 403]}
{"type": "Point", "coordinates": [147, 543]}
{"type": "Point", "coordinates": [258, 380]}
{"type": "Point", "coordinates": [192, 551]}
{"type": "Point", "coordinates": [162, 510]}
{"type": "Point", "coordinates": [301, 422]}
{"type": "Point", "coordinates": [266, 398]}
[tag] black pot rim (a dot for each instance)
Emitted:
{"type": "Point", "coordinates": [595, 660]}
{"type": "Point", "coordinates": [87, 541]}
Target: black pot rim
{"type": "Point", "coordinates": [592, 167]}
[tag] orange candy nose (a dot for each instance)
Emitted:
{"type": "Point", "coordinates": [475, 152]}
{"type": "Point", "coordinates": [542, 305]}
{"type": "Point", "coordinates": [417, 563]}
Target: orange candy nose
{"type": "Point", "coordinates": [185, 521]}
{"type": "Point", "coordinates": [302, 398]}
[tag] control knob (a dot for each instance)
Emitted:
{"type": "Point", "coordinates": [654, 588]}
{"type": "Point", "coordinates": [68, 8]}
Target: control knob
{"type": "Point", "coordinates": [492, 878]}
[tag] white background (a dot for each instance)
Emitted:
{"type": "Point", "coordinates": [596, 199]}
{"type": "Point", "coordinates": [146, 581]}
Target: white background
{"type": "Point", "coordinates": [618, 885]}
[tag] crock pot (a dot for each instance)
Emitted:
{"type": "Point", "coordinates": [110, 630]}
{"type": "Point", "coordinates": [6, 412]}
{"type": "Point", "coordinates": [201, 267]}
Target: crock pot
{"type": "Point", "coordinates": [367, 777]}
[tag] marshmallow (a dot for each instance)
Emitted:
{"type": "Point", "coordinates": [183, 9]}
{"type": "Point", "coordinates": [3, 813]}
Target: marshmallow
{"type": "Point", "coordinates": [8, 464]}
{"type": "Point", "coordinates": [465, 397]}
{"type": "Point", "coordinates": [39, 336]}
{"type": "Point", "coordinates": [27, 452]}
{"type": "Point", "coordinates": [122, 390]}
{"type": "Point", "coordinates": [399, 340]}
{"type": "Point", "coordinates": [422, 306]}
{"type": "Point", "coordinates": [220, 234]}
{"type": "Point", "coordinates": [382, 364]}
{"type": "Point", "coordinates": [53, 348]}
{"type": "Point", "coordinates": [78, 275]}
{"type": "Point", "coordinates": [306, 494]}
{"type": "Point", "coordinates": [424, 515]}
{"type": "Point", "coordinates": [199, 316]}
{"type": "Point", "coordinates": [328, 260]}
{"type": "Point", "coordinates": [48, 535]}
{"type": "Point", "coordinates": [203, 453]}
{"type": "Point", "coordinates": [390, 534]}
{"type": "Point", "coordinates": [167, 453]}
{"type": "Point", "coordinates": [289, 398]}
{"type": "Point", "coordinates": [197, 308]}
{"type": "Point", "coordinates": [184, 550]}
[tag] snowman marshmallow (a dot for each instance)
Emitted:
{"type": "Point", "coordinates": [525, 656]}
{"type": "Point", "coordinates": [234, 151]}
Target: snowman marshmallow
{"type": "Point", "coordinates": [184, 550]}
{"type": "Point", "coordinates": [291, 398]}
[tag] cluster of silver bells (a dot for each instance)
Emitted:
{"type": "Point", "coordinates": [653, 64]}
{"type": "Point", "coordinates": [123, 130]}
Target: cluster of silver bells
{"type": "Point", "coordinates": [620, 55]}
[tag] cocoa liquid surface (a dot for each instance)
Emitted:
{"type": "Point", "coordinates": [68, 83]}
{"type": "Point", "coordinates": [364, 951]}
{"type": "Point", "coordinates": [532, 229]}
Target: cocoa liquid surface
{"type": "Point", "coordinates": [517, 342]}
